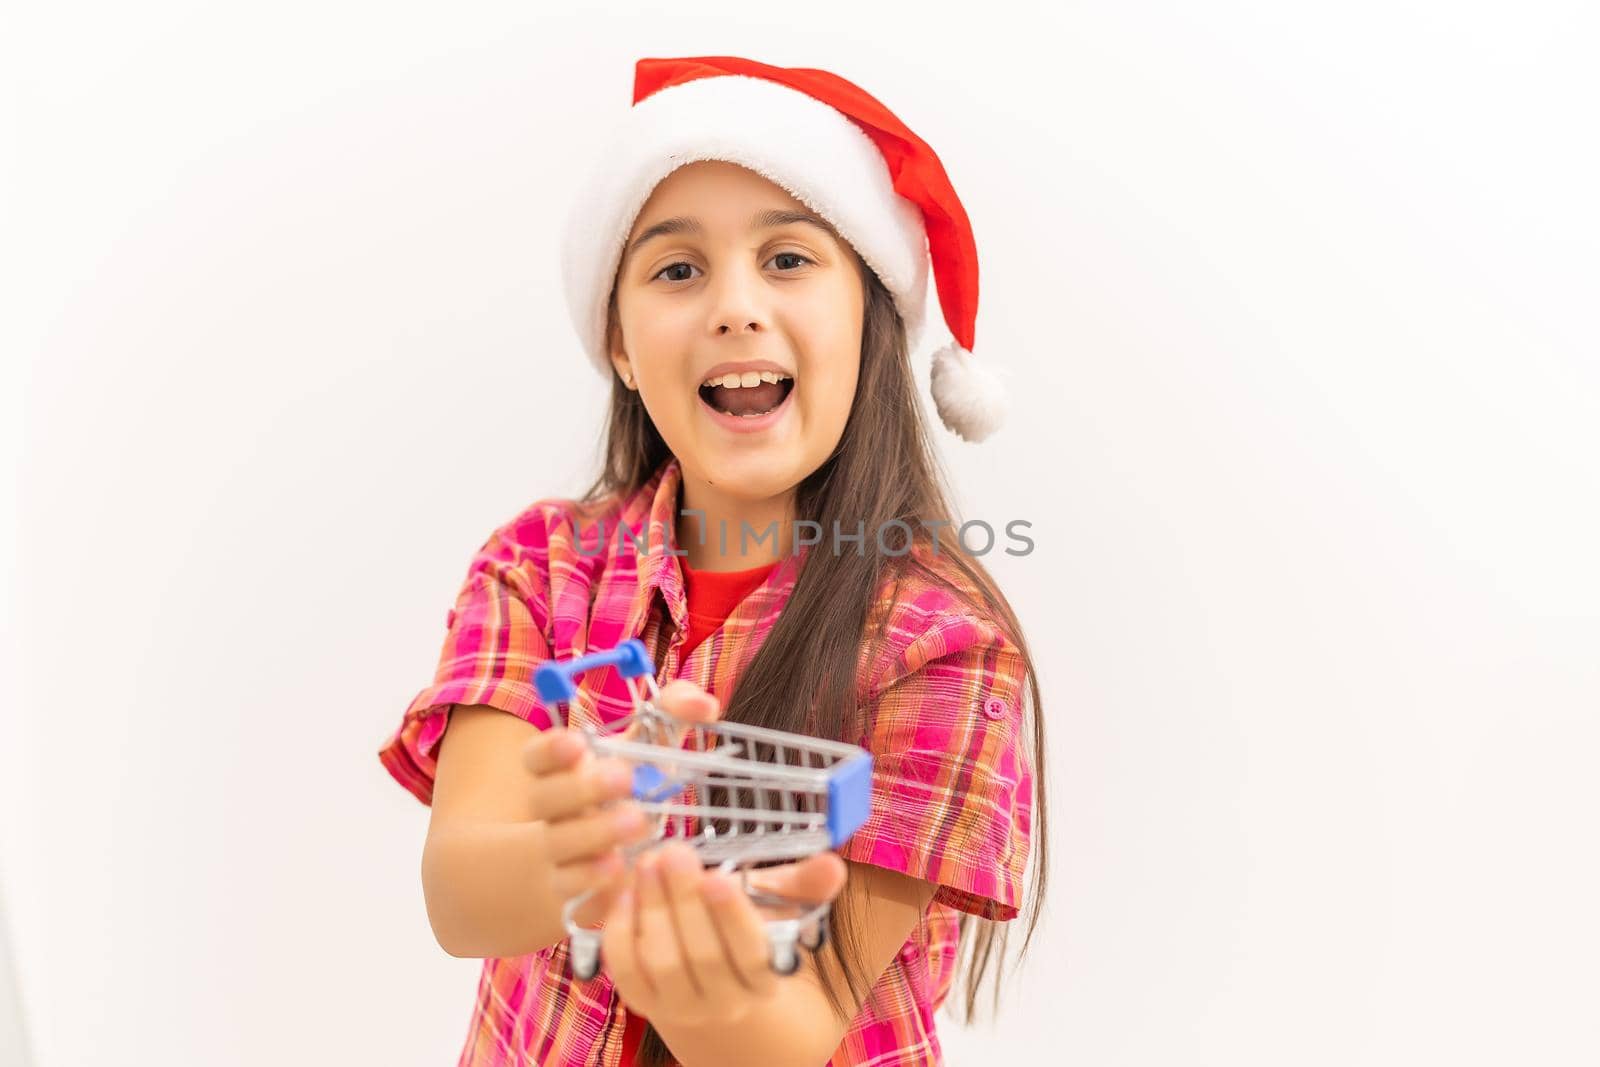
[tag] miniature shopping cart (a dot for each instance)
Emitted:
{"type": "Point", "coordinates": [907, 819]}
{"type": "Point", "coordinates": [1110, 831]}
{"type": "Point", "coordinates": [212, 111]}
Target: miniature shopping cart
{"type": "Point", "coordinates": [741, 796]}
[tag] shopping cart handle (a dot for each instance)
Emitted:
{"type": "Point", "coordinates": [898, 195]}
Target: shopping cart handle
{"type": "Point", "coordinates": [553, 678]}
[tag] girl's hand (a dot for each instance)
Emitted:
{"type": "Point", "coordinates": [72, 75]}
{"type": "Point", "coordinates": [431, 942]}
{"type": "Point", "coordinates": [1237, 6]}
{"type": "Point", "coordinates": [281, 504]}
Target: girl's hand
{"type": "Point", "coordinates": [685, 945]}
{"type": "Point", "coordinates": [580, 799]}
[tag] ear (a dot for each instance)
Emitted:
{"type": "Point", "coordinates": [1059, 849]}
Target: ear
{"type": "Point", "coordinates": [614, 347]}
{"type": "Point", "coordinates": [620, 364]}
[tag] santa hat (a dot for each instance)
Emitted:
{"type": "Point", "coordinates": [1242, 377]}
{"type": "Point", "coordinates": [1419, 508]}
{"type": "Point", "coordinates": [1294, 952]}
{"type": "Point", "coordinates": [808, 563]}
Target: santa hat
{"type": "Point", "coordinates": [837, 150]}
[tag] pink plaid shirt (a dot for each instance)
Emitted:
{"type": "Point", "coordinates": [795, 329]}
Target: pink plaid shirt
{"type": "Point", "coordinates": [952, 782]}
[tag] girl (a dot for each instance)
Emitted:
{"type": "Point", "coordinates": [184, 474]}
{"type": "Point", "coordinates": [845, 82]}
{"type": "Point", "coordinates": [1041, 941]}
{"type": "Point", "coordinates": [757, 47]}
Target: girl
{"type": "Point", "coordinates": [748, 264]}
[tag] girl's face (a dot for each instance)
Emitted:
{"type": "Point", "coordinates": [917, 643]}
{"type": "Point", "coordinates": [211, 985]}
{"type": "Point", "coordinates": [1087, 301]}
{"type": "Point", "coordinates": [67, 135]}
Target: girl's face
{"type": "Point", "coordinates": [726, 274]}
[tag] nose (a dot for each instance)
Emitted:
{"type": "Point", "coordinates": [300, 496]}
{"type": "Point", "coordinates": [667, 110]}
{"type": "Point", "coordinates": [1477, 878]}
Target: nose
{"type": "Point", "coordinates": [737, 304]}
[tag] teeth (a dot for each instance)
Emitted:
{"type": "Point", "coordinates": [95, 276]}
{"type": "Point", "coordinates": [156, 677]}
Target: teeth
{"type": "Point", "coordinates": [748, 379]}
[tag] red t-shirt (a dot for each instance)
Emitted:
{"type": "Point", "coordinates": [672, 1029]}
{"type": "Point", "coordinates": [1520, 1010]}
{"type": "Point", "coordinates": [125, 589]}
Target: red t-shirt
{"type": "Point", "coordinates": [710, 597]}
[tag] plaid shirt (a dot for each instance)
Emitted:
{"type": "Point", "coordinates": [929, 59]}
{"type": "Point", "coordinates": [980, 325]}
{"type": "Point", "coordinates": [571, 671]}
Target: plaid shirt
{"type": "Point", "coordinates": [952, 783]}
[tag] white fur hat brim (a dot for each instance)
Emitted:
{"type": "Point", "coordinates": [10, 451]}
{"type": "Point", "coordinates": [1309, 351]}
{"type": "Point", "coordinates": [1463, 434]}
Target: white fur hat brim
{"type": "Point", "coordinates": [794, 140]}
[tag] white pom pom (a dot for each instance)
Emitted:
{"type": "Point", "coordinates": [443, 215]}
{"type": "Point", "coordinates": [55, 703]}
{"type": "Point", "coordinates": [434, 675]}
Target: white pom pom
{"type": "Point", "coordinates": [969, 395]}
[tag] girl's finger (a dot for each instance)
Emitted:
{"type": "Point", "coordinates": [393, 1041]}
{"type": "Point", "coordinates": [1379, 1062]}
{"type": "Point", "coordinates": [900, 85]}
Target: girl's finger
{"type": "Point", "coordinates": [576, 839]}
{"type": "Point", "coordinates": [816, 878]}
{"type": "Point", "coordinates": [568, 880]}
{"type": "Point", "coordinates": [553, 750]}
{"type": "Point", "coordinates": [659, 956]}
{"type": "Point", "coordinates": [619, 951]}
{"type": "Point", "coordinates": [698, 939]}
{"type": "Point", "coordinates": [565, 793]}
{"type": "Point", "coordinates": [684, 700]}
{"type": "Point", "coordinates": [743, 931]}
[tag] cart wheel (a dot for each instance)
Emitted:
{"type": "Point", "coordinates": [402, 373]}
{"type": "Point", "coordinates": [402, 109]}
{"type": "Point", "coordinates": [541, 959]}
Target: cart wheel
{"type": "Point", "coordinates": [785, 960]}
{"type": "Point", "coordinates": [584, 959]}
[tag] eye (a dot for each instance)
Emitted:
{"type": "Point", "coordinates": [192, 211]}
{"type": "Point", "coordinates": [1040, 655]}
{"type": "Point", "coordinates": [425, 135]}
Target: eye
{"type": "Point", "coordinates": [674, 266]}
{"type": "Point", "coordinates": [789, 255]}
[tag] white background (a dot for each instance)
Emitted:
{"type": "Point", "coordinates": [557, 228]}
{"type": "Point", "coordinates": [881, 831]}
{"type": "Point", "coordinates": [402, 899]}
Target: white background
{"type": "Point", "coordinates": [1298, 301]}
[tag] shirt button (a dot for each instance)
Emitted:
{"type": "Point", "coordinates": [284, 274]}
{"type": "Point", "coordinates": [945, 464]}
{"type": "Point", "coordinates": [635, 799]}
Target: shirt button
{"type": "Point", "coordinates": [995, 708]}
{"type": "Point", "coordinates": [908, 953]}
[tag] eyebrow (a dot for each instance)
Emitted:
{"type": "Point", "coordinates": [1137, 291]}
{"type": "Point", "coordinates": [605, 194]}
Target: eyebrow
{"type": "Point", "coordinates": [762, 220]}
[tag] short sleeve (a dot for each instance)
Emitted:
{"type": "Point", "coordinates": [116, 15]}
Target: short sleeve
{"type": "Point", "coordinates": [952, 783]}
{"type": "Point", "coordinates": [496, 635]}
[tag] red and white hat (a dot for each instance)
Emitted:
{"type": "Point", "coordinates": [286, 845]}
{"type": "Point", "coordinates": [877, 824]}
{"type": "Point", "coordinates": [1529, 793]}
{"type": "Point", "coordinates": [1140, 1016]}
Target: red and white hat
{"type": "Point", "coordinates": [835, 149]}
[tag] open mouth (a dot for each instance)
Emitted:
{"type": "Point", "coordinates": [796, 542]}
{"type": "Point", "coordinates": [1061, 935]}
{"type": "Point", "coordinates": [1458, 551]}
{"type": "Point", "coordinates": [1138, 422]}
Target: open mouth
{"type": "Point", "coordinates": [747, 395]}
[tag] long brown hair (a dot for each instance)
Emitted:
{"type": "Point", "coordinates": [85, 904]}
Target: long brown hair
{"type": "Point", "coordinates": [883, 469]}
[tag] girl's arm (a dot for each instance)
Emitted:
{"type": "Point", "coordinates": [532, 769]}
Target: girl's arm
{"type": "Point", "coordinates": [798, 1024]}
{"type": "Point", "coordinates": [484, 873]}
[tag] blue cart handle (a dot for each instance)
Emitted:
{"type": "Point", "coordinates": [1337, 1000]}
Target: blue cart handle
{"type": "Point", "coordinates": [553, 678]}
